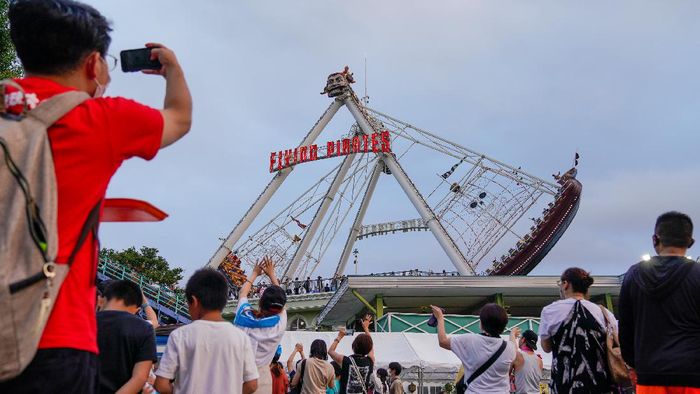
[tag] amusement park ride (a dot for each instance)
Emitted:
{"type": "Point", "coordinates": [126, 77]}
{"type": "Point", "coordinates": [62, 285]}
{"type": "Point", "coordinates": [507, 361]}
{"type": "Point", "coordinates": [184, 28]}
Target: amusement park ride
{"type": "Point", "coordinates": [475, 207]}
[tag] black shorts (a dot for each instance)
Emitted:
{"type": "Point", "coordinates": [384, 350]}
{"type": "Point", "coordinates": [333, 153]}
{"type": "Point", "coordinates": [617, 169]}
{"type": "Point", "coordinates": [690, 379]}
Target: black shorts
{"type": "Point", "coordinates": [57, 371]}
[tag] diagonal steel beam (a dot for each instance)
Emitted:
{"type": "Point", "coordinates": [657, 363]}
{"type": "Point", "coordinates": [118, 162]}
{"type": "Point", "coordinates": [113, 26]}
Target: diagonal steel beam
{"type": "Point", "coordinates": [357, 224]}
{"type": "Point", "coordinates": [270, 190]}
{"type": "Point", "coordinates": [443, 238]}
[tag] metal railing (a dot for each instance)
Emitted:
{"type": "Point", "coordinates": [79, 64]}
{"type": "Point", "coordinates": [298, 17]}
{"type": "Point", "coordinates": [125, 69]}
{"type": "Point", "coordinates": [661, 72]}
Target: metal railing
{"type": "Point", "coordinates": [162, 299]}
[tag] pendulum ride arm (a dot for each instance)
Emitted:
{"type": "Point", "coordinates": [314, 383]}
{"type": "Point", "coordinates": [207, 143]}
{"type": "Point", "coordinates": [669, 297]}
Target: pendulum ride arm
{"type": "Point", "coordinates": [318, 218]}
{"type": "Point", "coordinates": [270, 190]}
{"type": "Point", "coordinates": [443, 238]}
{"type": "Point", "coordinates": [357, 224]}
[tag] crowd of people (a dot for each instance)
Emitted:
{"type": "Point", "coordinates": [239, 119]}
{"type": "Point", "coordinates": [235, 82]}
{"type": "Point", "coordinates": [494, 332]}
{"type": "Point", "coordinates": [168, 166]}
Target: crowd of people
{"type": "Point", "coordinates": [295, 287]}
{"type": "Point", "coordinates": [655, 338]}
{"type": "Point", "coordinates": [654, 347]}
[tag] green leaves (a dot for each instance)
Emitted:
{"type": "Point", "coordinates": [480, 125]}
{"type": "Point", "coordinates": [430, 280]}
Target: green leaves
{"type": "Point", "coordinates": [146, 262]}
{"type": "Point", "coordinates": [10, 66]}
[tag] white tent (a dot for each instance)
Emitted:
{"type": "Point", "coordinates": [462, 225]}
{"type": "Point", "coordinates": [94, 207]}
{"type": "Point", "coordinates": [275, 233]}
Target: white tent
{"type": "Point", "coordinates": [418, 353]}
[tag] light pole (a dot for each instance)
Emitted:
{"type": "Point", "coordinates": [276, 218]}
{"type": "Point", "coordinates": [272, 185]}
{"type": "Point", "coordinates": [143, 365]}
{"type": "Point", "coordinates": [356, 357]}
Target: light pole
{"type": "Point", "coordinates": [355, 253]}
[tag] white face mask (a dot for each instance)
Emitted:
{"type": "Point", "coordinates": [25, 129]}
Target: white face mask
{"type": "Point", "coordinates": [100, 90]}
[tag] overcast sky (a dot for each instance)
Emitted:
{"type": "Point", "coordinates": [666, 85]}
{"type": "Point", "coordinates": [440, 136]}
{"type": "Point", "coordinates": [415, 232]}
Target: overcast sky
{"type": "Point", "coordinates": [528, 83]}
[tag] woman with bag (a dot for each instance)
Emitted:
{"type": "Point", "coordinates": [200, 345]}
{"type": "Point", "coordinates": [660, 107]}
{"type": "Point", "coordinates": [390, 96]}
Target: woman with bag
{"type": "Point", "coordinates": [486, 357]}
{"type": "Point", "coordinates": [574, 330]}
{"type": "Point", "coordinates": [356, 369]}
{"type": "Point", "coordinates": [315, 373]}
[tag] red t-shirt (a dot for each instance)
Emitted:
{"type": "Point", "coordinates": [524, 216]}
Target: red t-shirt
{"type": "Point", "coordinates": [88, 144]}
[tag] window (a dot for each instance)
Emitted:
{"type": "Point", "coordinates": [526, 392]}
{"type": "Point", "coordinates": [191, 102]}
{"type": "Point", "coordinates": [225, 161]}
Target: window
{"type": "Point", "coordinates": [297, 324]}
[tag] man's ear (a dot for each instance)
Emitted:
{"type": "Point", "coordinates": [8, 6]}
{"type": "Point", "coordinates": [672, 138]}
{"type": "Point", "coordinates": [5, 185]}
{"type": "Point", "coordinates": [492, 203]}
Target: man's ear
{"type": "Point", "coordinates": [692, 242]}
{"type": "Point", "coordinates": [91, 65]}
{"type": "Point", "coordinates": [655, 240]}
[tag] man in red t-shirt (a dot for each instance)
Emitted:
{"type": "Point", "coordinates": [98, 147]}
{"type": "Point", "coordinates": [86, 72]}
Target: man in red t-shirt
{"type": "Point", "coordinates": [62, 45]}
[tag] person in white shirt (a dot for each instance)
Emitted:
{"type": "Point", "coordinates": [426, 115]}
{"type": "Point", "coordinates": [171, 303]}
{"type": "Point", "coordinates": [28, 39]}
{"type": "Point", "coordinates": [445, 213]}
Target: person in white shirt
{"type": "Point", "coordinates": [476, 350]}
{"type": "Point", "coordinates": [209, 355]}
{"type": "Point", "coordinates": [574, 329]}
{"type": "Point", "coordinates": [265, 326]}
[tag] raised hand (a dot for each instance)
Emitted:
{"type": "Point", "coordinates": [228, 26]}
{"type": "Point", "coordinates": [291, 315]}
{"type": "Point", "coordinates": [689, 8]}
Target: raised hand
{"type": "Point", "coordinates": [437, 311]}
{"type": "Point", "coordinates": [514, 334]}
{"type": "Point", "coordinates": [268, 266]}
{"type": "Point", "coordinates": [165, 56]}
{"type": "Point", "coordinates": [515, 331]}
{"type": "Point", "coordinates": [258, 269]}
{"type": "Point", "coordinates": [366, 321]}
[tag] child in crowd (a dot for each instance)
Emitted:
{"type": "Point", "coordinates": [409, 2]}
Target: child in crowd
{"type": "Point", "coordinates": [127, 343]}
{"type": "Point", "coordinates": [395, 375]}
{"type": "Point", "coordinates": [210, 355]}
{"type": "Point", "coordinates": [338, 370]}
{"type": "Point", "coordinates": [280, 381]}
{"type": "Point", "coordinates": [265, 326]}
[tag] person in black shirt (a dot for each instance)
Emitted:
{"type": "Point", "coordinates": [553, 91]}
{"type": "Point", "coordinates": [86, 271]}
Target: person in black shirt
{"type": "Point", "coordinates": [127, 343]}
{"type": "Point", "coordinates": [356, 369]}
{"type": "Point", "coordinates": [659, 310]}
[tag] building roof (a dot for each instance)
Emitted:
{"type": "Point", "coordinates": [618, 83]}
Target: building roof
{"type": "Point", "coordinates": [522, 295]}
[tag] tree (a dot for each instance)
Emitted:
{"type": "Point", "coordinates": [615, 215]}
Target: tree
{"type": "Point", "coordinates": [9, 64]}
{"type": "Point", "coordinates": [146, 262]}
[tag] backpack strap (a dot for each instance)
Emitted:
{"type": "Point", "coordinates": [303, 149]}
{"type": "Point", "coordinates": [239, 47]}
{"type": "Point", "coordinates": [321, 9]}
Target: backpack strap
{"type": "Point", "coordinates": [488, 363]}
{"type": "Point", "coordinates": [359, 375]}
{"type": "Point", "coordinates": [91, 225]}
{"type": "Point", "coordinates": [53, 109]}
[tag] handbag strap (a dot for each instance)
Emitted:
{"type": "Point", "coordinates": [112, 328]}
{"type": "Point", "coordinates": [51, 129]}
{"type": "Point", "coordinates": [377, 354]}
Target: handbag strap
{"type": "Point", "coordinates": [359, 375]}
{"type": "Point", "coordinates": [488, 363]}
{"type": "Point", "coordinates": [609, 328]}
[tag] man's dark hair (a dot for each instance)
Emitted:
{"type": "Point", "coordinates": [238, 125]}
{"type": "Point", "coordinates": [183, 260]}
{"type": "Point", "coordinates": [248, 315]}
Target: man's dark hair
{"type": "Point", "coordinates": [674, 229]}
{"type": "Point", "coordinates": [396, 367]}
{"type": "Point", "coordinates": [53, 36]}
{"type": "Point", "coordinates": [128, 292]}
{"type": "Point", "coordinates": [579, 279]}
{"type": "Point", "coordinates": [319, 350]}
{"type": "Point", "coordinates": [493, 319]}
{"type": "Point", "coordinates": [102, 286]}
{"type": "Point", "coordinates": [362, 344]}
{"type": "Point", "coordinates": [210, 288]}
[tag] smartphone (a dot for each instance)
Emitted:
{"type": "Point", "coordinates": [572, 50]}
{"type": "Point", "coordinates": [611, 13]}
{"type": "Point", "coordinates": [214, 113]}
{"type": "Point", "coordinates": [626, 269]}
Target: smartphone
{"type": "Point", "coordinates": [138, 59]}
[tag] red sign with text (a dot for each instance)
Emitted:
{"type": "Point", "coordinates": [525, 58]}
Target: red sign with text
{"type": "Point", "coordinates": [375, 142]}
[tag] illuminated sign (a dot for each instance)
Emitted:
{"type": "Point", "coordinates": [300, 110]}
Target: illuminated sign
{"type": "Point", "coordinates": [375, 142]}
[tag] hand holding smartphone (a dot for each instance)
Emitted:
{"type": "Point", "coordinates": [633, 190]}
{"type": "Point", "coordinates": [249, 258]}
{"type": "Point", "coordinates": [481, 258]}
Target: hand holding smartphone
{"type": "Point", "coordinates": [138, 59]}
{"type": "Point", "coordinates": [432, 322]}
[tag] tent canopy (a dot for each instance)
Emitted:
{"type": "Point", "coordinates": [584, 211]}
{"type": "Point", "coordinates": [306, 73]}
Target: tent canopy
{"type": "Point", "coordinates": [418, 353]}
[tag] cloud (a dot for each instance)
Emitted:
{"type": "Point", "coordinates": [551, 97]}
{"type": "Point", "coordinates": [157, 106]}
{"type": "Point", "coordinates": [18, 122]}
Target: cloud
{"type": "Point", "coordinates": [616, 219]}
{"type": "Point", "coordinates": [528, 84]}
